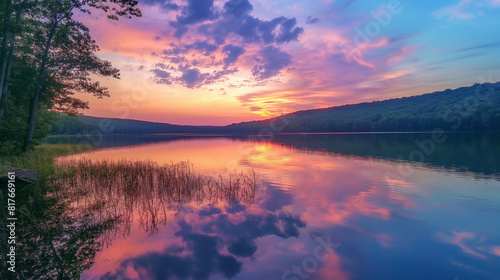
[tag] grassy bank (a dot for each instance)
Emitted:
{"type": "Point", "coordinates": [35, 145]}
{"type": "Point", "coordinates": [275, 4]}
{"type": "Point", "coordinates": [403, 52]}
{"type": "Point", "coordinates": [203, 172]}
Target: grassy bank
{"type": "Point", "coordinates": [41, 158]}
{"type": "Point", "coordinates": [38, 209]}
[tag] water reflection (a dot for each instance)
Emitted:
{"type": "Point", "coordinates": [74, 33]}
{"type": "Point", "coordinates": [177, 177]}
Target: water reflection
{"type": "Point", "coordinates": [128, 191]}
{"type": "Point", "coordinates": [464, 152]}
{"type": "Point", "coordinates": [438, 223]}
{"type": "Point", "coordinates": [473, 152]}
{"type": "Point", "coordinates": [212, 245]}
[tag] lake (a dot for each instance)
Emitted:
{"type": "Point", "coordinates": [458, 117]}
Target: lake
{"type": "Point", "coordinates": [329, 206]}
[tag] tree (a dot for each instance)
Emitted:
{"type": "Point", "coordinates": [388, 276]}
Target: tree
{"type": "Point", "coordinates": [13, 125]}
{"type": "Point", "coordinates": [7, 50]}
{"type": "Point", "coordinates": [5, 37]}
{"type": "Point", "coordinates": [63, 33]}
{"type": "Point", "coordinates": [46, 57]}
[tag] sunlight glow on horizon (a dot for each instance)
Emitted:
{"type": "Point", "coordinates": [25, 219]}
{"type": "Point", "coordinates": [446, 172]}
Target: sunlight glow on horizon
{"type": "Point", "coordinates": [250, 60]}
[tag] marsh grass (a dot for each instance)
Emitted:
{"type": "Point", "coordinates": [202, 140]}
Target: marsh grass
{"type": "Point", "coordinates": [119, 190]}
{"type": "Point", "coordinates": [41, 217]}
{"type": "Point", "coordinates": [41, 158]}
{"type": "Point", "coordinates": [78, 207]}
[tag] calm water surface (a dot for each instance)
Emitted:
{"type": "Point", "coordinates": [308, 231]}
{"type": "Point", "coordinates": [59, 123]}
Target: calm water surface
{"type": "Point", "coordinates": [326, 207]}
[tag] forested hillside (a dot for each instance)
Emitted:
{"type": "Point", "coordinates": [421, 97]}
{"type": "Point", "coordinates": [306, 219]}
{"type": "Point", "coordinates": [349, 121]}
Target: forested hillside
{"type": "Point", "coordinates": [475, 108]}
{"type": "Point", "coordinates": [67, 125]}
{"type": "Point", "coordinates": [83, 125]}
{"type": "Point", "coordinates": [463, 109]}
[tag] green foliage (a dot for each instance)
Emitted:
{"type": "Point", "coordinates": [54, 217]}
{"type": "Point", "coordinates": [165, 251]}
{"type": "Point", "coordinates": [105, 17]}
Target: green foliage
{"type": "Point", "coordinates": [123, 126]}
{"type": "Point", "coordinates": [52, 242]}
{"type": "Point", "coordinates": [13, 125]}
{"type": "Point", "coordinates": [41, 158]}
{"type": "Point", "coordinates": [70, 125]}
{"type": "Point", "coordinates": [46, 57]}
{"type": "Point", "coordinates": [475, 108]}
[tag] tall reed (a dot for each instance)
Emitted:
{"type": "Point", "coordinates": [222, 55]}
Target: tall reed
{"type": "Point", "coordinates": [121, 189]}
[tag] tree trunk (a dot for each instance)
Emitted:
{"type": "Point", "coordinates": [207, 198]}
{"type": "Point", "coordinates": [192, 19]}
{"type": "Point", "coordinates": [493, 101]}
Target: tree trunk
{"type": "Point", "coordinates": [36, 95]}
{"type": "Point", "coordinates": [3, 58]}
{"type": "Point", "coordinates": [5, 86]}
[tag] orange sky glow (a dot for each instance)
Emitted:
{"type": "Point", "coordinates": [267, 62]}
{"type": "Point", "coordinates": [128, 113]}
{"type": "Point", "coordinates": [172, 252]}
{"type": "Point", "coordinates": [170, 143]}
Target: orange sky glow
{"type": "Point", "coordinates": [215, 65]}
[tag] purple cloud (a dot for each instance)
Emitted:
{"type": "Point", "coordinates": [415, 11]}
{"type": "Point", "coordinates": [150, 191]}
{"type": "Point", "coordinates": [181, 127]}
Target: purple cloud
{"type": "Point", "coordinates": [161, 76]}
{"type": "Point", "coordinates": [312, 20]}
{"type": "Point", "coordinates": [236, 19]}
{"type": "Point", "coordinates": [209, 28]}
{"type": "Point", "coordinates": [196, 11]}
{"type": "Point", "coordinates": [192, 77]}
{"type": "Point", "coordinates": [233, 52]}
{"type": "Point", "coordinates": [203, 46]}
{"type": "Point", "coordinates": [165, 5]}
{"type": "Point", "coordinates": [273, 60]}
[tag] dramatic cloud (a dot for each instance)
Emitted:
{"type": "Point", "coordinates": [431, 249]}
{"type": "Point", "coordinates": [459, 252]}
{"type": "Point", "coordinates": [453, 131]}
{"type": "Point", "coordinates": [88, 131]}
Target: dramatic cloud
{"type": "Point", "coordinates": [209, 211]}
{"type": "Point", "coordinates": [196, 11]}
{"type": "Point", "coordinates": [233, 52]}
{"type": "Point", "coordinates": [192, 77]}
{"type": "Point", "coordinates": [243, 248]}
{"type": "Point", "coordinates": [162, 76]}
{"type": "Point", "coordinates": [165, 5]}
{"type": "Point", "coordinates": [209, 247]}
{"type": "Point", "coordinates": [236, 20]}
{"type": "Point", "coordinates": [283, 225]}
{"type": "Point", "coordinates": [272, 61]}
{"type": "Point", "coordinates": [203, 47]}
{"type": "Point", "coordinates": [238, 7]}
{"type": "Point", "coordinates": [277, 198]}
{"type": "Point", "coordinates": [205, 260]}
{"type": "Point", "coordinates": [312, 20]}
{"type": "Point", "coordinates": [217, 38]}
{"type": "Point", "coordinates": [259, 54]}
{"type": "Point", "coordinates": [218, 75]}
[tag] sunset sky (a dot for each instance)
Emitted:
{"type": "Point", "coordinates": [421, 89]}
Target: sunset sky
{"type": "Point", "coordinates": [211, 62]}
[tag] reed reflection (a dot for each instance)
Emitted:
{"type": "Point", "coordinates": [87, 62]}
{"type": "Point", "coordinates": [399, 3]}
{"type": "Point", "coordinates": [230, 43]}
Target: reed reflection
{"type": "Point", "coordinates": [119, 190]}
{"type": "Point", "coordinates": [93, 203]}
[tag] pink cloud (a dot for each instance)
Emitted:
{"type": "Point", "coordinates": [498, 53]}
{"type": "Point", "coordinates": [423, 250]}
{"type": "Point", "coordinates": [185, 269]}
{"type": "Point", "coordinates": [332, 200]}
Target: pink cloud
{"type": "Point", "coordinates": [463, 240]}
{"type": "Point", "coordinates": [464, 10]}
{"type": "Point", "coordinates": [454, 12]}
{"type": "Point", "coordinates": [325, 66]}
{"type": "Point", "coordinates": [321, 76]}
{"type": "Point", "coordinates": [496, 251]}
